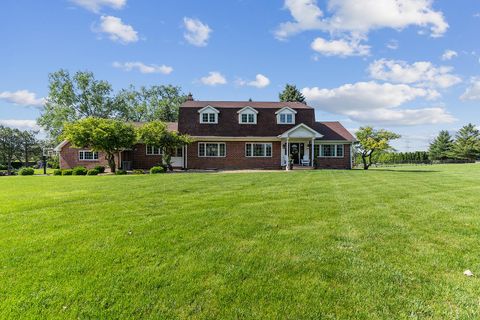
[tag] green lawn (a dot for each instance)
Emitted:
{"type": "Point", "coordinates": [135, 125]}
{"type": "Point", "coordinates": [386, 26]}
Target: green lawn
{"type": "Point", "coordinates": [382, 244]}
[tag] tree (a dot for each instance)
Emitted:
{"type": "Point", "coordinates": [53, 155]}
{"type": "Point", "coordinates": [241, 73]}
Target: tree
{"type": "Point", "coordinates": [10, 142]}
{"type": "Point", "coordinates": [291, 94]}
{"type": "Point", "coordinates": [467, 143]}
{"type": "Point", "coordinates": [74, 98]}
{"type": "Point", "coordinates": [106, 135]}
{"type": "Point", "coordinates": [155, 134]}
{"type": "Point", "coordinates": [150, 104]}
{"type": "Point", "coordinates": [29, 145]}
{"type": "Point", "coordinates": [441, 147]}
{"type": "Point", "coordinates": [371, 141]}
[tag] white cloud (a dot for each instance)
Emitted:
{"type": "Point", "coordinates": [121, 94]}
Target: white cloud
{"type": "Point", "coordinates": [393, 44]}
{"type": "Point", "coordinates": [421, 73]}
{"type": "Point", "coordinates": [143, 68]}
{"type": "Point", "coordinates": [449, 55]}
{"type": "Point", "coordinates": [214, 78]}
{"type": "Point", "coordinates": [260, 81]}
{"type": "Point", "coordinates": [20, 124]}
{"type": "Point", "coordinates": [360, 17]}
{"type": "Point", "coordinates": [197, 33]}
{"type": "Point", "coordinates": [341, 47]}
{"type": "Point", "coordinates": [371, 102]}
{"type": "Point", "coordinates": [117, 30]}
{"type": "Point", "coordinates": [22, 98]}
{"type": "Point", "coordinates": [96, 5]}
{"type": "Point", "coordinates": [473, 91]}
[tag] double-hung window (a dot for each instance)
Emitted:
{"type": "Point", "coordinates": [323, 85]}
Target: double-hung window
{"type": "Point", "coordinates": [212, 149]}
{"type": "Point", "coordinates": [247, 118]}
{"type": "Point", "coordinates": [208, 117]}
{"type": "Point", "coordinates": [329, 150]}
{"type": "Point", "coordinates": [153, 151]}
{"type": "Point", "coordinates": [286, 118]}
{"type": "Point", "coordinates": [87, 155]}
{"type": "Point", "coordinates": [258, 150]}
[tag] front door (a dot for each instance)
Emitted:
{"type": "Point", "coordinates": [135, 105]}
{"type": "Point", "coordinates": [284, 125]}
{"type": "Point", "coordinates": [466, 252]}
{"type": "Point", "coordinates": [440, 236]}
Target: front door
{"type": "Point", "coordinates": [296, 152]}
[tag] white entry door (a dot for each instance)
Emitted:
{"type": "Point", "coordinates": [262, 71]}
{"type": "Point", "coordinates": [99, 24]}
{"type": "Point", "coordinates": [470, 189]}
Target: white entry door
{"type": "Point", "coordinates": [177, 158]}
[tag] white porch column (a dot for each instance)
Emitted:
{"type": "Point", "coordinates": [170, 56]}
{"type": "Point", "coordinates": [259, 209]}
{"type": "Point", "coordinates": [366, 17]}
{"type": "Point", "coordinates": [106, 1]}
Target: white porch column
{"type": "Point", "coordinates": [287, 166]}
{"type": "Point", "coordinates": [313, 152]}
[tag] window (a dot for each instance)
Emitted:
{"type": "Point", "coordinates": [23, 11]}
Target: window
{"type": "Point", "coordinates": [258, 150]}
{"type": "Point", "coordinates": [329, 150]}
{"type": "Point", "coordinates": [153, 151]}
{"type": "Point", "coordinates": [208, 117]}
{"type": "Point", "coordinates": [215, 149]}
{"type": "Point", "coordinates": [178, 152]}
{"type": "Point", "coordinates": [248, 118]}
{"type": "Point", "coordinates": [87, 155]}
{"type": "Point", "coordinates": [286, 118]}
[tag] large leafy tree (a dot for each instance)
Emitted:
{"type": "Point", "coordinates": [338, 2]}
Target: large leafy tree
{"type": "Point", "coordinates": [10, 145]}
{"type": "Point", "coordinates": [156, 134]}
{"type": "Point", "coordinates": [29, 145]}
{"type": "Point", "coordinates": [106, 135]}
{"type": "Point", "coordinates": [291, 94]}
{"type": "Point", "coordinates": [467, 143]}
{"type": "Point", "coordinates": [372, 141]}
{"type": "Point", "coordinates": [441, 147]}
{"type": "Point", "coordinates": [76, 97]}
{"type": "Point", "coordinates": [150, 103]}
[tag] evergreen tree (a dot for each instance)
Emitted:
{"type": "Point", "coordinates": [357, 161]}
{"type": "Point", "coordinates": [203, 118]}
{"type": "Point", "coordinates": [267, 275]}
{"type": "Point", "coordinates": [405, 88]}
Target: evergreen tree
{"type": "Point", "coordinates": [441, 147]}
{"type": "Point", "coordinates": [291, 94]}
{"type": "Point", "coordinates": [467, 143]}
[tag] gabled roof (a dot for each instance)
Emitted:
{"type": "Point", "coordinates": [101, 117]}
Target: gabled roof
{"type": "Point", "coordinates": [288, 133]}
{"type": "Point", "coordinates": [207, 108]}
{"type": "Point", "coordinates": [333, 131]}
{"type": "Point", "coordinates": [286, 108]}
{"type": "Point", "coordinates": [242, 104]}
{"type": "Point", "coordinates": [247, 108]}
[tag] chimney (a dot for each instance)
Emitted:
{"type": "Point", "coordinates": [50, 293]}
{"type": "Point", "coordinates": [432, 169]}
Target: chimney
{"type": "Point", "coordinates": [189, 97]}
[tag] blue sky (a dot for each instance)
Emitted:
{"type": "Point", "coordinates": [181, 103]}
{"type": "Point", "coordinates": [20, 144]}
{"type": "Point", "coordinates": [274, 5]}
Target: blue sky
{"type": "Point", "coordinates": [411, 66]}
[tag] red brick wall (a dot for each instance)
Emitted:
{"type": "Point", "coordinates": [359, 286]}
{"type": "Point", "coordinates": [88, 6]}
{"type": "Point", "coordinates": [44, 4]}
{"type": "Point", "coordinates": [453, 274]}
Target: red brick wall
{"type": "Point", "coordinates": [335, 163]}
{"type": "Point", "coordinates": [235, 158]}
{"type": "Point", "coordinates": [140, 160]}
{"type": "Point", "coordinates": [69, 159]}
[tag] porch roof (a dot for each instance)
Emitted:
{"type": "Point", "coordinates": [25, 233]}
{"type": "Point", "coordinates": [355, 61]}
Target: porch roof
{"type": "Point", "coordinates": [301, 131]}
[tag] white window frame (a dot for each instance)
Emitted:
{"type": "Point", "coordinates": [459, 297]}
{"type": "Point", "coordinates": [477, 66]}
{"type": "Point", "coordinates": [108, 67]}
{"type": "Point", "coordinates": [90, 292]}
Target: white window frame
{"type": "Point", "coordinates": [264, 149]}
{"type": "Point", "coordinates": [81, 153]}
{"type": "Point", "coordinates": [248, 111]}
{"type": "Point", "coordinates": [285, 112]}
{"type": "Point", "coordinates": [209, 111]}
{"type": "Point", "coordinates": [153, 153]}
{"type": "Point", "coordinates": [205, 149]}
{"type": "Point", "coordinates": [335, 150]}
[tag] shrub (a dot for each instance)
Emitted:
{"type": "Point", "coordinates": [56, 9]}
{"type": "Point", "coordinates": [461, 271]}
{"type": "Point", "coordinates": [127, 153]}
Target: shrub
{"type": "Point", "coordinates": [92, 172]}
{"type": "Point", "coordinates": [157, 169]}
{"type": "Point", "coordinates": [67, 172]}
{"type": "Point", "coordinates": [138, 171]}
{"type": "Point", "coordinates": [120, 172]}
{"type": "Point", "coordinates": [79, 171]}
{"type": "Point", "coordinates": [26, 171]}
{"type": "Point", "coordinates": [3, 167]}
{"type": "Point", "coordinates": [100, 169]}
{"type": "Point", "coordinates": [57, 172]}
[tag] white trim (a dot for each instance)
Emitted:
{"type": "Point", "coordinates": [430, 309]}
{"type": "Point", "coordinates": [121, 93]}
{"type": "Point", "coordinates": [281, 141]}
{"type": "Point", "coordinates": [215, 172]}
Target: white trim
{"type": "Point", "coordinates": [208, 110]}
{"type": "Point", "coordinates": [92, 152]}
{"type": "Point", "coordinates": [335, 150]}
{"type": "Point", "coordinates": [264, 149]}
{"type": "Point", "coordinates": [247, 108]}
{"type": "Point", "coordinates": [208, 107]}
{"type": "Point", "coordinates": [222, 138]}
{"type": "Point", "coordinates": [59, 147]}
{"type": "Point", "coordinates": [211, 142]}
{"type": "Point", "coordinates": [286, 108]}
{"type": "Point", "coordinates": [153, 154]}
{"type": "Point", "coordinates": [301, 125]}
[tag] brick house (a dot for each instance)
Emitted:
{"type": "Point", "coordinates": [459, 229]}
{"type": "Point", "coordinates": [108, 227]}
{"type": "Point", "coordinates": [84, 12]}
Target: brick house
{"type": "Point", "coordinates": [238, 135]}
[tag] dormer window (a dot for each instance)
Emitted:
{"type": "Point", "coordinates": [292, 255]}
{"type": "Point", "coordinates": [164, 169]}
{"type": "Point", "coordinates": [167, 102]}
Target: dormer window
{"type": "Point", "coordinates": [247, 115]}
{"type": "Point", "coordinates": [208, 115]}
{"type": "Point", "coordinates": [286, 116]}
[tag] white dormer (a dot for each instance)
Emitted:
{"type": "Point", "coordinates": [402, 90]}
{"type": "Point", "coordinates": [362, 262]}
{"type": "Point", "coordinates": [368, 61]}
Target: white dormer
{"type": "Point", "coordinates": [208, 115]}
{"type": "Point", "coordinates": [247, 115]}
{"type": "Point", "coordinates": [286, 115]}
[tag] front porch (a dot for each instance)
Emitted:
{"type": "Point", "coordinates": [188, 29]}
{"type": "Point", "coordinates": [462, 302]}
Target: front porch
{"type": "Point", "coordinates": [298, 147]}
